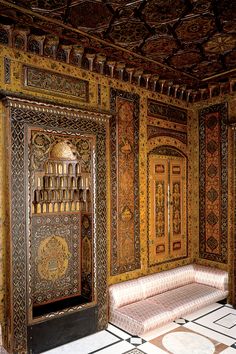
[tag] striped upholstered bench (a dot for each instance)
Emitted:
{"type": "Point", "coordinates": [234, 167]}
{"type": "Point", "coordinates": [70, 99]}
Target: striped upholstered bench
{"type": "Point", "coordinates": [142, 304]}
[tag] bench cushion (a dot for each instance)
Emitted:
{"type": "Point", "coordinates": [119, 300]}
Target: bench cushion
{"type": "Point", "coordinates": [145, 315]}
{"type": "Point", "coordinates": [140, 317]}
{"type": "Point", "coordinates": [188, 298]}
{"type": "Point", "coordinates": [211, 276]}
{"type": "Point", "coordinates": [125, 293]}
{"type": "Point", "coordinates": [160, 282]}
{"type": "Point", "coordinates": [140, 305]}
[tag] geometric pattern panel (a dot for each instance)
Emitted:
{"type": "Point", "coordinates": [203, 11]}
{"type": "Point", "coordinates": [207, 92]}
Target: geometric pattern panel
{"type": "Point", "coordinates": [213, 183]}
{"type": "Point", "coordinates": [7, 70]}
{"type": "Point", "coordinates": [71, 122]}
{"type": "Point", "coordinates": [125, 244]}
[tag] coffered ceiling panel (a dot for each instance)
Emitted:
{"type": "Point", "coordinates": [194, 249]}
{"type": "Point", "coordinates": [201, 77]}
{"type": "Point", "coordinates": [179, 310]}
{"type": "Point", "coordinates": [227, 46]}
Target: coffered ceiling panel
{"type": "Point", "coordinates": [183, 40]}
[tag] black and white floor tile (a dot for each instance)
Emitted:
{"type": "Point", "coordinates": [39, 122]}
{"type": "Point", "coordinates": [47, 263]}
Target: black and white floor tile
{"type": "Point", "coordinates": [211, 330]}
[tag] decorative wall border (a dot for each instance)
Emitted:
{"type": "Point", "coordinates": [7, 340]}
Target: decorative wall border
{"type": "Point", "coordinates": [166, 112]}
{"type": "Point", "coordinates": [22, 114]}
{"type": "Point", "coordinates": [230, 266]}
{"type": "Point", "coordinates": [50, 81]}
{"type": "Point", "coordinates": [76, 54]}
{"type": "Point", "coordinates": [218, 251]}
{"type": "Point", "coordinates": [7, 70]}
{"type": "Point", "coordinates": [153, 131]}
{"type": "Point", "coordinates": [233, 252]}
{"type": "Point", "coordinates": [116, 238]}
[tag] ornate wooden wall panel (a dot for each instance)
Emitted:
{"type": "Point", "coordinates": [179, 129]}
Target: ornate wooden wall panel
{"type": "Point", "coordinates": [55, 257]}
{"type": "Point", "coordinates": [48, 80]}
{"type": "Point", "coordinates": [167, 124]}
{"type": "Point", "coordinates": [13, 69]}
{"type": "Point", "coordinates": [3, 221]}
{"type": "Point", "coordinates": [167, 112]}
{"type": "Point", "coordinates": [155, 131]}
{"type": "Point", "coordinates": [233, 253]}
{"type": "Point", "coordinates": [125, 243]}
{"type": "Point", "coordinates": [61, 185]}
{"type": "Point", "coordinates": [178, 204]}
{"type": "Point", "coordinates": [158, 199]}
{"type": "Point", "coordinates": [213, 184]}
{"type": "Point", "coordinates": [87, 251]}
{"type": "Point", "coordinates": [72, 123]}
{"type": "Point", "coordinates": [167, 201]}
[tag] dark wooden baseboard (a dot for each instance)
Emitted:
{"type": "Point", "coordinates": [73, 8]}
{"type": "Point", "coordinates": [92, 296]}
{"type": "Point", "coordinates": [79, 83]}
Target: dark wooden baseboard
{"type": "Point", "coordinates": [58, 331]}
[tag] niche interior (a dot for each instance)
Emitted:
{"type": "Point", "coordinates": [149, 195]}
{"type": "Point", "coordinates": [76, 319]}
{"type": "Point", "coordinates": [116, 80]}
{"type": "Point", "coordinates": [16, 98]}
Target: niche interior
{"type": "Point", "coordinates": [58, 225]}
{"type": "Point", "coordinates": [61, 253]}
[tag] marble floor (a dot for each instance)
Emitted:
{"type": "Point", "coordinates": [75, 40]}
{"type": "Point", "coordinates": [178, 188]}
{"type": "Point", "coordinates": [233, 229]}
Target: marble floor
{"type": "Point", "coordinates": [211, 330]}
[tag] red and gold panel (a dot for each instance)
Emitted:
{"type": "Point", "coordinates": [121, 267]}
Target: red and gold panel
{"type": "Point", "coordinates": [125, 244]}
{"type": "Point", "coordinates": [125, 137]}
{"type": "Point", "coordinates": [213, 184]}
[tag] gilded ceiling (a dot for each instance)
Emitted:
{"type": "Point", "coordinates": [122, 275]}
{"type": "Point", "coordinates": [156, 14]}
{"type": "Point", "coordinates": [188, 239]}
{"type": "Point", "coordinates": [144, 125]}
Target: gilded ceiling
{"type": "Point", "coordinates": [190, 42]}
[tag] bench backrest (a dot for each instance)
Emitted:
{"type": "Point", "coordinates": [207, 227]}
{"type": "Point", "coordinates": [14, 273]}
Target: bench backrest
{"type": "Point", "coordinates": [160, 282]}
{"type": "Point", "coordinates": [134, 290]}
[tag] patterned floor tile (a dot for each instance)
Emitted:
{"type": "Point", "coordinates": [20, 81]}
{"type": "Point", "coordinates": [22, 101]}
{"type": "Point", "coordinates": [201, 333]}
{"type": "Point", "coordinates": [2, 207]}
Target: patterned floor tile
{"type": "Point", "coordinates": [214, 326]}
{"type": "Point", "coordinates": [228, 350]}
{"type": "Point", "coordinates": [118, 348]}
{"type": "Point", "coordinates": [134, 351]}
{"type": "Point", "coordinates": [208, 345]}
{"type": "Point", "coordinates": [118, 332]}
{"type": "Point", "coordinates": [181, 321]}
{"type": "Point", "coordinates": [136, 341]}
{"type": "Point", "coordinates": [221, 320]}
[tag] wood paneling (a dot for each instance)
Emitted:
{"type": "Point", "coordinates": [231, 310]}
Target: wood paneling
{"type": "Point", "coordinates": [167, 208]}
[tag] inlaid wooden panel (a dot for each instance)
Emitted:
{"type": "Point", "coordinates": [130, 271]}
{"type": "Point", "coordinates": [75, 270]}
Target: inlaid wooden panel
{"type": "Point", "coordinates": [213, 187]}
{"type": "Point", "coordinates": [158, 191]}
{"type": "Point", "coordinates": [125, 235]}
{"type": "Point", "coordinates": [167, 208]}
{"type": "Point", "coordinates": [58, 251]}
{"type": "Point", "coordinates": [178, 225]}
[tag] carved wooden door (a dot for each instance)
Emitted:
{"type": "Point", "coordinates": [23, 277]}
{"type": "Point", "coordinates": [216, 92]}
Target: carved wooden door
{"type": "Point", "coordinates": [167, 208]}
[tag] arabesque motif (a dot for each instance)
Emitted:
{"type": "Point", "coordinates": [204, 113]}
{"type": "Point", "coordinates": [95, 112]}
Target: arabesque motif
{"type": "Point", "coordinates": [125, 243]}
{"type": "Point", "coordinates": [213, 239]}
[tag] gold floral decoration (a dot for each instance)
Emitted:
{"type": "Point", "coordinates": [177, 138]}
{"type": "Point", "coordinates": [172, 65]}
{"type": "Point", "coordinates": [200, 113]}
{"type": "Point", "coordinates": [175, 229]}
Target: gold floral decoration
{"type": "Point", "coordinates": [220, 44]}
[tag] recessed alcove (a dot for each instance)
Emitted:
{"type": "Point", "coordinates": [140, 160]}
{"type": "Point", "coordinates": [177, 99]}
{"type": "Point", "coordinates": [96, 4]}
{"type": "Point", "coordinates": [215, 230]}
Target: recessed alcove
{"type": "Point", "coordinates": [59, 175]}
